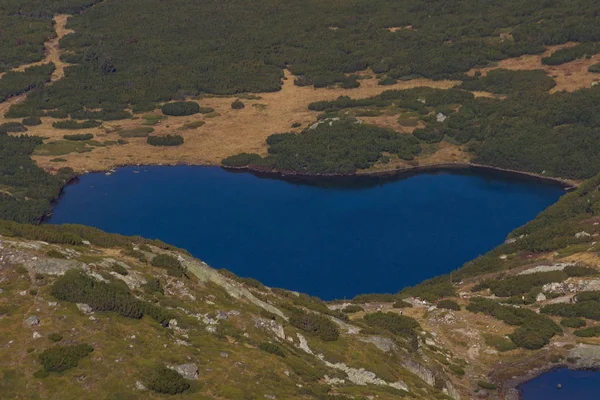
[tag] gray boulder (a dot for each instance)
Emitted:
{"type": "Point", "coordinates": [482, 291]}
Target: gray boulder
{"type": "Point", "coordinates": [34, 320]}
{"type": "Point", "coordinates": [188, 371]}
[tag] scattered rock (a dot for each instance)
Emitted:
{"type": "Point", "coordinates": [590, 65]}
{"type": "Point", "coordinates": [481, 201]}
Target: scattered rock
{"type": "Point", "coordinates": [540, 297]}
{"type": "Point", "coordinates": [582, 234]}
{"type": "Point", "coordinates": [188, 371]}
{"type": "Point", "coordinates": [84, 308]}
{"type": "Point", "coordinates": [546, 268]}
{"type": "Point", "coordinates": [36, 335]}
{"type": "Point", "coordinates": [440, 117]}
{"type": "Point", "coordinates": [140, 386]}
{"type": "Point", "coordinates": [384, 344]}
{"type": "Point", "coordinates": [34, 320]}
{"type": "Point", "coordinates": [224, 354]}
{"type": "Point", "coordinates": [222, 315]}
{"type": "Point", "coordinates": [211, 329]}
{"type": "Point", "coordinates": [172, 324]}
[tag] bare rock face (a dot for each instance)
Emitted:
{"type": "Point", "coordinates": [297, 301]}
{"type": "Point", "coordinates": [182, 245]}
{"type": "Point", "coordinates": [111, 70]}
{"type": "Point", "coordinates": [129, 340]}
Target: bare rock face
{"type": "Point", "coordinates": [188, 371]}
{"type": "Point", "coordinates": [34, 320]}
{"type": "Point", "coordinates": [52, 266]}
{"type": "Point", "coordinates": [384, 344]}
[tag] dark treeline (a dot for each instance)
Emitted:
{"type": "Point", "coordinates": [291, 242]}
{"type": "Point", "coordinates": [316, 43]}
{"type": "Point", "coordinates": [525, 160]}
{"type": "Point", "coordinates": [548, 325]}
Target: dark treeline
{"type": "Point", "coordinates": [27, 190]}
{"type": "Point", "coordinates": [333, 147]}
{"type": "Point", "coordinates": [27, 24]}
{"type": "Point", "coordinates": [16, 83]}
{"type": "Point", "coordinates": [530, 130]}
{"type": "Point", "coordinates": [572, 53]}
{"type": "Point", "coordinates": [130, 58]}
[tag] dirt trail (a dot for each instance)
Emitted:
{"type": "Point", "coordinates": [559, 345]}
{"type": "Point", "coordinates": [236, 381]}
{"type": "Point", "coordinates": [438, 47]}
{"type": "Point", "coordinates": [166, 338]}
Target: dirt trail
{"type": "Point", "coordinates": [52, 54]}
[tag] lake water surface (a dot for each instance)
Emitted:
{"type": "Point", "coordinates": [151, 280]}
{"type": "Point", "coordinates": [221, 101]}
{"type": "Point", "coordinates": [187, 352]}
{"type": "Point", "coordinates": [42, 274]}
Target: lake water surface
{"type": "Point", "coordinates": [575, 385]}
{"type": "Point", "coordinates": [331, 240]}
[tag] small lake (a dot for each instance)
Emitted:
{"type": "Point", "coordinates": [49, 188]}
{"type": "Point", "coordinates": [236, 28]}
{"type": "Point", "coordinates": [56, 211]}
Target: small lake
{"type": "Point", "coordinates": [332, 239]}
{"type": "Point", "coordinates": [575, 385]}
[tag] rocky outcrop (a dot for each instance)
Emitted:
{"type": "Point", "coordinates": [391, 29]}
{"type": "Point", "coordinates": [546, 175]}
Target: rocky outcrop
{"type": "Point", "coordinates": [188, 371]}
{"type": "Point", "coordinates": [384, 344]}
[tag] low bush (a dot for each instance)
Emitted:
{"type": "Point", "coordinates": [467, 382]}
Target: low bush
{"type": "Point", "coordinates": [119, 269]}
{"type": "Point", "coordinates": [181, 108]}
{"type": "Point", "coordinates": [486, 385]}
{"type": "Point", "coordinates": [583, 308]}
{"type": "Point", "coordinates": [353, 308]}
{"type": "Point", "coordinates": [206, 110]}
{"type": "Point", "coordinates": [595, 68]}
{"type": "Point", "coordinates": [387, 81]}
{"type": "Point", "coordinates": [458, 371]}
{"type": "Point", "coordinates": [499, 343]}
{"type": "Point", "coordinates": [32, 121]}
{"type": "Point", "coordinates": [12, 127]}
{"type": "Point", "coordinates": [316, 325]}
{"type": "Point", "coordinates": [242, 160]}
{"type": "Point", "coordinates": [448, 304]}
{"type": "Point", "coordinates": [76, 287]}
{"type": "Point", "coordinates": [169, 140]}
{"type": "Point", "coordinates": [580, 270]}
{"type": "Point", "coordinates": [401, 304]}
{"type": "Point", "coordinates": [573, 322]}
{"type": "Point", "coordinates": [79, 136]}
{"type": "Point", "coordinates": [237, 105]}
{"type": "Point", "coordinates": [271, 348]}
{"type": "Point", "coordinates": [165, 380]}
{"type": "Point", "coordinates": [394, 323]}
{"type": "Point", "coordinates": [62, 358]}
{"type": "Point", "coordinates": [592, 331]}
{"type": "Point", "coordinates": [534, 331]}
{"type": "Point", "coordinates": [141, 131]}
{"type": "Point", "coordinates": [153, 286]}
{"type": "Point", "coordinates": [55, 337]}
{"type": "Point", "coordinates": [53, 253]}
{"type": "Point", "coordinates": [72, 124]}
{"type": "Point", "coordinates": [170, 264]}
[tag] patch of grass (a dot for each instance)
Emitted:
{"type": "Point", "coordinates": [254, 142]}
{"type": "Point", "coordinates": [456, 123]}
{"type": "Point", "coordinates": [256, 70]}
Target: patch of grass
{"type": "Point", "coordinates": [192, 125]}
{"type": "Point", "coordinates": [499, 343]}
{"type": "Point", "coordinates": [271, 348]}
{"type": "Point", "coordinates": [486, 385]}
{"type": "Point", "coordinates": [142, 131]}
{"type": "Point", "coordinates": [61, 147]}
{"type": "Point", "coordinates": [55, 337]}
{"type": "Point", "coordinates": [213, 114]}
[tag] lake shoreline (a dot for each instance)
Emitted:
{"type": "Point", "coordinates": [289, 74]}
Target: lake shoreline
{"type": "Point", "coordinates": [567, 184]}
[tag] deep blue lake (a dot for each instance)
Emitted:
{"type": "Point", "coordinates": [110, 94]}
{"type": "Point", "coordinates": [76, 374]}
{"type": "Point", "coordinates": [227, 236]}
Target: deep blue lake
{"type": "Point", "coordinates": [332, 239]}
{"type": "Point", "coordinates": [576, 385]}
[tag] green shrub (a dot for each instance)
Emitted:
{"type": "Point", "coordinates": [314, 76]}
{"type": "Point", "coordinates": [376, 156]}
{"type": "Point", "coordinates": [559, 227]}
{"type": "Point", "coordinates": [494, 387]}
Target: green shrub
{"type": "Point", "coordinates": [62, 358]}
{"type": "Point", "coordinates": [401, 304]}
{"type": "Point", "coordinates": [242, 160]}
{"type": "Point", "coordinates": [33, 292]}
{"type": "Point", "coordinates": [387, 81]}
{"type": "Point", "coordinates": [206, 110]}
{"type": "Point", "coordinates": [573, 322]}
{"type": "Point", "coordinates": [53, 253]}
{"type": "Point", "coordinates": [353, 308]}
{"type": "Point", "coordinates": [237, 105]}
{"type": "Point", "coordinates": [271, 348]}
{"type": "Point", "coordinates": [316, 325]}
{"type": "Point", "coordinates": [72, 124]}
{"type": "Point", "coordinates": [170, 264]}
{"type": "Point", "coordinates": [79, 136]}
{"type": "Point", "coordinates": [396, 324]}
{"type": "Point", "coordinates": [119, 269]}
{"type": "Point", "coordinates": [76, 287]}
{"type": "Point", "coordinates": [499, 343]}
{"type": "Point", "coordinates": [12, 127]}
{"type": "Point", "coordinates": [595, 68]}
{"type": "Point", "coordinates": [448, 304]}
{"type": "Point", "coordinates": [169, 140]}
{"type": "Point", "coordinates": [181, 108]}
{"type": "Point", "coordinates": [296, 125]}
{"type": "Point", "coordinates": [486, 385]}
{"type": "Point", "coordinates": [55, 337]}
{"type": "Point", "coordinates": [583, 308]}
{"type": "Point", "coordinates": [580, 270]}
{"type": "Point", "coordinates": [32, 121]}
{"type": "Point", "coordinates": [40, 374]}
{"type": "Point", "coordinates": [153, 285]}
{"type": "Point", "coordinates": [165, 380]}
{"type": "Point", "coordinates": [592, 331]}
{"type": "Point", "coordinates": [141, 131]}
{"type": "Point", "coordinates": [458, 371]}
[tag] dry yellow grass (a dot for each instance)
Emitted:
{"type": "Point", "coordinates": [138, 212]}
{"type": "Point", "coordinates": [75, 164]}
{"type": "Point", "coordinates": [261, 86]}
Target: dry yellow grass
{"type": "Point", "coordinates": [233, 132]}
{"type": "Point", "coordinates": [570, 76]}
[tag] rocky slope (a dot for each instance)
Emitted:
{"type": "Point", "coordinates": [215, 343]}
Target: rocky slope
{"type": "Point", "coordinates": [85, 314]}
